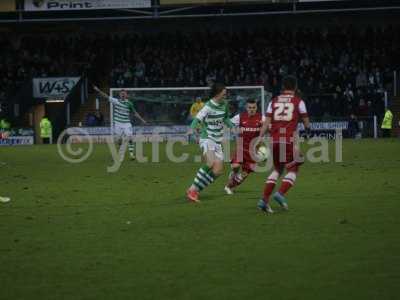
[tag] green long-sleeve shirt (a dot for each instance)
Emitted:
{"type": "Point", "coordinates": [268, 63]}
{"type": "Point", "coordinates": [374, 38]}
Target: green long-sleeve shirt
{"type": "Point", "coordinates": [212, 118]}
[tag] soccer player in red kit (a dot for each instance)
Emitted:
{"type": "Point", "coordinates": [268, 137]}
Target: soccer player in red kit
{"type": "Point", "coordinates": [282, 117]}
{"type": "Point", "coordinates": [249, 123]}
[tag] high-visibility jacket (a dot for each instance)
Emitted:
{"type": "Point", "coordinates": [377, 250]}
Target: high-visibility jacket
{"type": "Point", "coordinates": [195, 108]}
{"type": "Point", "coordinates": [45, 128]}
{"type": "Point", "coordinates": [387, 120]}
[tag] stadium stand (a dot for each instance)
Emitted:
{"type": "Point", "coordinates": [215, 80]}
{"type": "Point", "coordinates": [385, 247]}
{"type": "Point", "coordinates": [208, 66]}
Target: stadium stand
{"type": "Point", "coordinates": [341, 69]}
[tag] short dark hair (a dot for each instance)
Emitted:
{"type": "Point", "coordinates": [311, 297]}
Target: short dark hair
{"type": "Point", "coordinates": [216, 88]}
{"type": "Point", "coordinates": [289, 83]}
{"type": "Point", "coordinates": [251, 101]}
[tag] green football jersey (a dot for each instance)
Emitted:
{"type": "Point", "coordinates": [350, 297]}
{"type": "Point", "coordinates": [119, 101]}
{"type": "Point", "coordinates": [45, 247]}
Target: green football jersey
{"type": "Point", "coordinates": [213, 116]}
{"type": "Point", "coordinates": [121, 110]}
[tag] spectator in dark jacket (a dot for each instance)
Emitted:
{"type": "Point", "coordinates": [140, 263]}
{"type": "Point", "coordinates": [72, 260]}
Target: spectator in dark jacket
{"type": "Point", "coordinates": [99, 118]}
{"type": "Point", "coordinates": [90, 119]}
{"type": "Point", "coordinates": [353, 126]}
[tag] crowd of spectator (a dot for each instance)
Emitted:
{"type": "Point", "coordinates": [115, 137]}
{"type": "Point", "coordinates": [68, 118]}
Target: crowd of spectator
{"type": "Point", "coordinates": [28, 56]}
{"type": "Point", "coordinates": [340, 70]}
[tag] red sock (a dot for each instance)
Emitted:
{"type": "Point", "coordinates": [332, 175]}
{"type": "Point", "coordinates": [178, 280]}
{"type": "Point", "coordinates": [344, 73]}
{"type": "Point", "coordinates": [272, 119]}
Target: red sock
{"type": "Point", "coordinates": [268, 189]}
{"type": "Point", "coordinates": [285, 186]}
{"type": "Point", "coordinates": [287, 182]}
{"type": "Point", "coordinates": [235, 181]}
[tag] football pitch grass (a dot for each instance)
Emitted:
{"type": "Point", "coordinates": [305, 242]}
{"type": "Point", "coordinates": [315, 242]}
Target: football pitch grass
{"type": "Point", "coordinates": [74, 231]}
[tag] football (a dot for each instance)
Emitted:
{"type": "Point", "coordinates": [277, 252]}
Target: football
{"type": "Point", "coordinates": [262, 153]}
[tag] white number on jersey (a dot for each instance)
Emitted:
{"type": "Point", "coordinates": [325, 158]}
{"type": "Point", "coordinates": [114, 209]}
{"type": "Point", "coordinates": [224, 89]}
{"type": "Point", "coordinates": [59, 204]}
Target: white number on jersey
{"type": "Point", "coordinates": [283, 111]}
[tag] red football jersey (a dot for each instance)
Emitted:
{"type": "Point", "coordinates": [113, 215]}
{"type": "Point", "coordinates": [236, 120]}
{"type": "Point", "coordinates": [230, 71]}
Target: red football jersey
{"type": "Point", "coordinates": [249, 130]}
{"type": "Point", "coordinates": [285, 111]}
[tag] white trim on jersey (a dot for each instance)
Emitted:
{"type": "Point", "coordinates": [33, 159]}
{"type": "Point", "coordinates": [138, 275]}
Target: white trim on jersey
{"type": "Point", "coordinates": [302, 107]}
{"type": "Point", "coordinates": [269, 109]}
{"type": "Point", "coordinates": [236, 120]}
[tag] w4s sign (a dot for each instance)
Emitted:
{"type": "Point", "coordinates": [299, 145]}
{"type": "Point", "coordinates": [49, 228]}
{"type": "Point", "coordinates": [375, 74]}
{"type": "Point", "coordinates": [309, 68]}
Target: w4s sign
{"type": "Point", "coordinates": [53, 87]}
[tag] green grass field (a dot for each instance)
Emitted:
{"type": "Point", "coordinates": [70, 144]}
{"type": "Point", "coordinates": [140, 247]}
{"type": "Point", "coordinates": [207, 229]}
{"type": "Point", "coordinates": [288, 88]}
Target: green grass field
{"type": "Point", "coordinates": [78, 232]}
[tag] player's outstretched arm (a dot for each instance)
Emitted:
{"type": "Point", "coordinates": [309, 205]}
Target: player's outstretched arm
{"type": "Point", "coordinates": [227, 120]}
{"type": "Point", "coordinates": [137, 115]}
{"type": "Point", "coordinates": [197, 121]}
{"type": "Point", "coordinates": [265, 127]}
{"type": "Point", "coordinates": [229, 123]}
{"type": "Point", "coordinates": [194, 128]}
{"type": "Point", "coordinates": [307, 125]}
{"type": "Point", "coordinates": [263, 130]}
{"type": "Point", "coordinates": [236, 120]}
{"type": "Point", "coordinates": [100, 92]}
{"type": "Point", "coordinates": [306, 122]}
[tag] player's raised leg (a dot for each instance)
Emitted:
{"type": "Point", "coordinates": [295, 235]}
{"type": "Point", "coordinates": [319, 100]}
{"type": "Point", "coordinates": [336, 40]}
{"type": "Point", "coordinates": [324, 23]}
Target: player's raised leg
{"type": "Point", "coordinates": [295, 159]}
{"type": "Point", "coordinates": [206, 175]}
{"type": "Point", "coordinates": [287, 182]}
{"type": "Point", "coordinates": [234, 179]}
{"type": "Point", "coordinates": [269, 186]}
{"type": "Point", "coordinates": [272, 179]}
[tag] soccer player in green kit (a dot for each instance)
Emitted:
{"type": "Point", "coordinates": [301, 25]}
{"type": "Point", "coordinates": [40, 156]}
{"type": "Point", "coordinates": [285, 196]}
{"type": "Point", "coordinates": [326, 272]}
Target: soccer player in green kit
{"type": "Point", "coordinates": [211, 118]}
{"type": "Point", "coordinates": [122, 127]}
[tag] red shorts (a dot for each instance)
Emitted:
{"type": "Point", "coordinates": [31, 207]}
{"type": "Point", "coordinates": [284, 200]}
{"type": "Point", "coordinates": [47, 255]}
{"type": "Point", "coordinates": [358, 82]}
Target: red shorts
{"type": "Point", "coordinates": [286, 156]}
{"type": "Point", "coordinates": [244, 159]}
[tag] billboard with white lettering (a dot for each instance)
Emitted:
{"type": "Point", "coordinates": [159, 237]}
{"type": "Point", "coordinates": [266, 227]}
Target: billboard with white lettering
{"type": "Point", "coordinates": [53, 5]}
{"type": "Point", "coordinates": [53, 87]}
